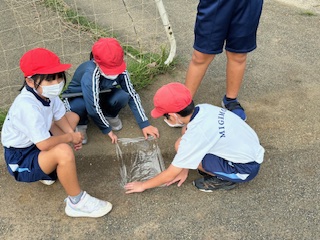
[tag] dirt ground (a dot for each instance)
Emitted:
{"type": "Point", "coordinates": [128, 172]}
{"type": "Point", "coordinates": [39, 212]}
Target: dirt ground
{"type": "Point", "coordinates": [280, 93]}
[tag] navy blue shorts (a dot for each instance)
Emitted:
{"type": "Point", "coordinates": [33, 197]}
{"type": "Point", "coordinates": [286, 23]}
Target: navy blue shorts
{"type": "Point", "coordinates": [22, 163]}
{"type": "Point", "coordinates": [230, 22]}
{"type": "Point", "coordinates": [234, 172]}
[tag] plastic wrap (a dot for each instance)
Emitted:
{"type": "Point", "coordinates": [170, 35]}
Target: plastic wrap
{"type": "Point", "coordinates": [139, 159]}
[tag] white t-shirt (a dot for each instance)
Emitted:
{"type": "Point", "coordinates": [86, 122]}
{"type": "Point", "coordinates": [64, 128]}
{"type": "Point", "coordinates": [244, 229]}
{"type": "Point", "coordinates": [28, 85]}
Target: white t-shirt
{"type": "Point", "coordinates": [29, 120]}
{"type": "Point", "coordinates": [220, 132]}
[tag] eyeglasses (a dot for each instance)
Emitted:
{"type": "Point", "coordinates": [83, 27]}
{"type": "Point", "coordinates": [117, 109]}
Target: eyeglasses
{"type": "Point", "coordinates": [166, 115]}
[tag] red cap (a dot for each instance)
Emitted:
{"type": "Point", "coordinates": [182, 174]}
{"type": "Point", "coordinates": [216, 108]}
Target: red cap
{"type": "Point", "coordinates": [41, 61]}
{"type": "Point", "coordinates": [170, 98]}
{"type": "Point", "coordinates": [108, 54]}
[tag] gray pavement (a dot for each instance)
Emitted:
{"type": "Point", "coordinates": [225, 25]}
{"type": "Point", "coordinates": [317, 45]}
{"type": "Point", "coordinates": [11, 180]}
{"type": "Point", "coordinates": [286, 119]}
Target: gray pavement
{"type": "Point", "coordinates": [280, 93]}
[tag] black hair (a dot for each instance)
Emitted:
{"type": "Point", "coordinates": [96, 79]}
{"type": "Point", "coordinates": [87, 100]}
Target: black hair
{"type": "Point", "coordinates": [38, 78]}
{"type": "Point", "coordinates": [91, 55]}
{"type": "Point", "coordinates": [187, 110]}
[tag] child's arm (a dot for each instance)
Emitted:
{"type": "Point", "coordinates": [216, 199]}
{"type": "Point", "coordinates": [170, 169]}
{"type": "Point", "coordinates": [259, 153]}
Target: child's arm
{"type": "Point", "coordinates": [64, 125]}
{"type": "Point", "coordinates": [180, 178]}
{"type": "Point", "coordinates": [164, 177]}
{"type": "Point", "coordinates": [49, 143]}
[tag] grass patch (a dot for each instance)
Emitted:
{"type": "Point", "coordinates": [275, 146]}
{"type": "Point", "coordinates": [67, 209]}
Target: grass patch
{"type": "Point", "coordinates": [308, 13]}
{"type": "Point", "coordinates": [143, 67]}
{"type": "Point", "coordinates": [2, 118]}
{"type": "Point", "coordinates": [143, 73]}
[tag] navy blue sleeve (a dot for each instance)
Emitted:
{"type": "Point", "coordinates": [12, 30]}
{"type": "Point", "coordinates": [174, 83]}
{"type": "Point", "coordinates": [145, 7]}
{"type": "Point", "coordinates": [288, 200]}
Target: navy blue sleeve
{"type": "Point", "coordinates": [90, 88]}
{"type": "Point", "coordinates": [134, 101]}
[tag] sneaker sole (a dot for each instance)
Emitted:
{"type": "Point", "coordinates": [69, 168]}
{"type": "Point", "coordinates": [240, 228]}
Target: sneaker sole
{"type": "Point", "coordinates": [47, 182]}
{"type": "Point", "coordinates": [71, 213]}
{"type": "Point", "coordinates": [212, 190]}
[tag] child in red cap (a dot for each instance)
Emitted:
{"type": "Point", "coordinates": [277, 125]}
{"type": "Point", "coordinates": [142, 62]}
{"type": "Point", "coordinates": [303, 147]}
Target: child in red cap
{"type": "Point", "coordinates": [37, 132]}
{"type": "Point", "coordinates": [105, 71]}
{"type": "Point", "coordinates": [218, 143]}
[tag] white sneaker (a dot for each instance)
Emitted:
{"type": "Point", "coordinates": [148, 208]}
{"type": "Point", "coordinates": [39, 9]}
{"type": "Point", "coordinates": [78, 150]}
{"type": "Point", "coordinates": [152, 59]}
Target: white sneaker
{"type": "Point", "coordinates": [83, 130]}
{"type": "Point", "coordinates": [115, 123]}
{"type": "Point", "coordinates": [47, 182]}
{"type": "Point", "coordinates": [88, 206]}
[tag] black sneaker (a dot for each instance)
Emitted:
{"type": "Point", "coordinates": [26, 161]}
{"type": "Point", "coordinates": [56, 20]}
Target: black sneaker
{"type": "Point", "coordinates": [205, 175]}
{"type": "Point", "coordinates": [235, 107]}
{"type": "Point", "coordinates": [207, 184]}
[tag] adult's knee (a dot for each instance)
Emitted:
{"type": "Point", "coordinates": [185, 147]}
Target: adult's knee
{"type": "Point", "coordinates": [239, 58]}
{"type": "Point", "coordinates": [199, 58]}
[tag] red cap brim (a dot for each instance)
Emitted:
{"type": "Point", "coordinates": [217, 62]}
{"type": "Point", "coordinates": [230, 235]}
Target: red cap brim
{"type": "Point", "coordinates": [155, 113]}
{"type": "Point", "coordinates": [114, 71]}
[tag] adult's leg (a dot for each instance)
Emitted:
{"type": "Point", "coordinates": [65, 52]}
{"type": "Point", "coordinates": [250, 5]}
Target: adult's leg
{"type": "Point", "coordinates": [197, 69]}
{"type": "Point", "coordinates": [61, 158]}
{"type": "Point", "coordinates": [236, 64]}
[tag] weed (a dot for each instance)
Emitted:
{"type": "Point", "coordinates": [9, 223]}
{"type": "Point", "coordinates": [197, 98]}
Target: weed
{"type": "Point", "coordinates": [308, 13]}
{"type": "Point", "coordinates": [2, 118]}
{"type": "Point", "coordinates": [143, 67]}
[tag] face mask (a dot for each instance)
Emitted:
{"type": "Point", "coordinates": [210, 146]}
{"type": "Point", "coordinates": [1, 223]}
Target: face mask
{"type": "Point", "coordinates": [52, 90]}
{"type": "Point", "coordinates": [177, 124]}
{"type": "Point", "coordinates": [111, 77]}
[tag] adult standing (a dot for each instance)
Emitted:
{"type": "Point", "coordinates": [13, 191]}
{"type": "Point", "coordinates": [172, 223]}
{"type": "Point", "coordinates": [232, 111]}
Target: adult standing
{"type": "Point", "coordinates": [229, 23]}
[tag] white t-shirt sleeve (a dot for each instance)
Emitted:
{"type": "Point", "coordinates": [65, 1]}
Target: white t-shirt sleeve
{"type": "Point", "coordinates": [31, 125]}
{"type": "Point", "coordinates": [58, 109]}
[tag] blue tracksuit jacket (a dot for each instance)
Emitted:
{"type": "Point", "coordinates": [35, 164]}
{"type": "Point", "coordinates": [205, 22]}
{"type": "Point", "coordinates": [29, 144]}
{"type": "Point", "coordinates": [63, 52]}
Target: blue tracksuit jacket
{"type": "Point", "coordinates": [87, 79]}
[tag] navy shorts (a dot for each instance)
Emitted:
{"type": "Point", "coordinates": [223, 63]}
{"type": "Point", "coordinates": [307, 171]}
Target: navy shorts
{"type": "Point", "coordinates": [234, 172]}
{"type": "Point", "coordinates": [22, 163]}
{"type": "Point", "coordinates": [230, 22]}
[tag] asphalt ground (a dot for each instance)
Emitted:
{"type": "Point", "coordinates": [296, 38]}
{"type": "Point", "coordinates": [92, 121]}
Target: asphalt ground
{"type": "Point", "coordinates": [280, 94]}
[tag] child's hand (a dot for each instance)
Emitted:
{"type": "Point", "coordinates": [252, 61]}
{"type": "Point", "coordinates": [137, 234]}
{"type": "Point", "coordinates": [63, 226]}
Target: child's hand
{"type": "Point", "coordinates": [150, 130]}
{"type": "Point", "coordinates": [77, 137]}
{"type": "Point", "coordinates": [181, 178]}
{"type": "Point", "coordinates": [134, 187]}
{"type": "Point", "coordinates": [113, 137]}
{"type": "Point", "coordinates": [77, 146]}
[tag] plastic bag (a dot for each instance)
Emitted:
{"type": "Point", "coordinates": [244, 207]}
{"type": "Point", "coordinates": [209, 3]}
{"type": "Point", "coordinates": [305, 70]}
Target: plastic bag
{"type": "Point", "coordinates": [139, 159]}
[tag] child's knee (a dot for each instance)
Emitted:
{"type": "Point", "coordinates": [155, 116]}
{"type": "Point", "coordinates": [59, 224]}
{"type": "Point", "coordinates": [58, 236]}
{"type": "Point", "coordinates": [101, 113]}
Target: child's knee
{"type": "Point", "coordinates": [64, 151]}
